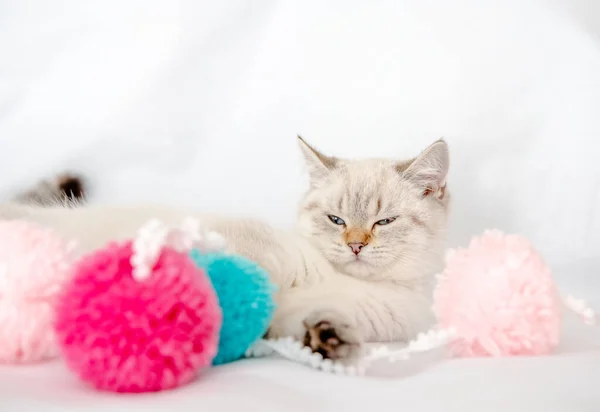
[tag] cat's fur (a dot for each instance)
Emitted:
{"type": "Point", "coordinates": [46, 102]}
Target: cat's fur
{"type": "Point", "coordinates": [329, 297]}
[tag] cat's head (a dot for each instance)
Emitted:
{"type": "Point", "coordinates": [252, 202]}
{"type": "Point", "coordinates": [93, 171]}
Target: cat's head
{"type": "Point", "coordinates": [375, 216]}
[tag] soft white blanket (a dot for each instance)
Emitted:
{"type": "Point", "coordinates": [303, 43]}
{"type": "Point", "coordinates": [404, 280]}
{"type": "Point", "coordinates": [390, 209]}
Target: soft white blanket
{"type": "Point", "coordinates": [198, 102]}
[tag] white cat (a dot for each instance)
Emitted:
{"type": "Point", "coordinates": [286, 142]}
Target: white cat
{"type": "Point", "coordinates": [358, 267]}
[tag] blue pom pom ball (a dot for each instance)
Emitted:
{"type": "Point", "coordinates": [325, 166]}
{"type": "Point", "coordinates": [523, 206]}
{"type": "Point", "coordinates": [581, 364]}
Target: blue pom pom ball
{"type": "Point", "coordinates": [245, 295]}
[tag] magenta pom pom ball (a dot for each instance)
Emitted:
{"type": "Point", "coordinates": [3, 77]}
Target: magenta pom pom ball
{"type": "Point", "coordinates": [499, 297]}
{"type": "Point", "coordinates": [125, 335]}
{"type": "Point", "coordinates": [34, 265]}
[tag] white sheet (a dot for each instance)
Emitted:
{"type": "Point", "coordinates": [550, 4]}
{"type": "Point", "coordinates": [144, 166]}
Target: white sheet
{"type": "Point", "coordinates": [198, 102]}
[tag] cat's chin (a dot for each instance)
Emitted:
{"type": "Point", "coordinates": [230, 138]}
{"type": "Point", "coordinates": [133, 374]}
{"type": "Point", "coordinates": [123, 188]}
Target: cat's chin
{"type": "Point", "coordinates": [358, 268]}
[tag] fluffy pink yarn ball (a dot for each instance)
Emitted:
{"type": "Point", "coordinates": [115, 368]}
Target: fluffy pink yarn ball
{"type": "Point", "coordinates": [127, 335]}
{"type": "Point", "coordinates": [34, 265]}
{"type": "Point", "coordinates": [499, 296]}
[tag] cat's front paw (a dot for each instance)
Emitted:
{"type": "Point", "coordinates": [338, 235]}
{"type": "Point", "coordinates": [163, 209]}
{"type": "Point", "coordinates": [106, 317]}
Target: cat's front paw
{"type": "Point", "coordinates": [331, 335]}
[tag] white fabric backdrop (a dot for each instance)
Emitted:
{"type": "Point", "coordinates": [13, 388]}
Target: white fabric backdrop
{"type": "Point", "coordinates": [199, 102]}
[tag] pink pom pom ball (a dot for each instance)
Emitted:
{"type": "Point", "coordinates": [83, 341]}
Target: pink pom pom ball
{"type": "Point", "coordinates": [126, 335]}
{"type": "Point", "coordinates": [499, 297]}
{"type": "Point", "coordinates": [34, 265]}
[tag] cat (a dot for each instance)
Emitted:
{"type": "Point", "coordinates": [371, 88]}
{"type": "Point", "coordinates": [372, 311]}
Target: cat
{"type": "Point", "coordinates": [357, 268]}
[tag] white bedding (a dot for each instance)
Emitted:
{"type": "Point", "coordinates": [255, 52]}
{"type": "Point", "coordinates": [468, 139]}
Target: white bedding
{"type": "Point", "coordinates": [198, 103]}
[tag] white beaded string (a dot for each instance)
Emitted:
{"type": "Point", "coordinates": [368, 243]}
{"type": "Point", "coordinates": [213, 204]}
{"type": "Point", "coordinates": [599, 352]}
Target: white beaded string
{"type": "Point", "coordinates": [293, 350]}
{"type": "Point", "coordinates": [432, 339]}
{"type": "Point", "coordinates": [154, 235]}
{"type": "Point", "coordinates": [580, 308]}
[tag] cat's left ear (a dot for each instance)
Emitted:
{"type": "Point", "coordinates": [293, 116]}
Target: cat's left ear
{"type": "Point", "coordinates": [430, 169]}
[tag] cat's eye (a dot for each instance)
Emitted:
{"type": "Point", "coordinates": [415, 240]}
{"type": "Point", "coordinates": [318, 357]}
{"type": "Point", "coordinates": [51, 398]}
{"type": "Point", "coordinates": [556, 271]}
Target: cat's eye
{"type": "Point", "coordinates": [384, 222]}
{"type": "Point", "coordinates": [336, 220]}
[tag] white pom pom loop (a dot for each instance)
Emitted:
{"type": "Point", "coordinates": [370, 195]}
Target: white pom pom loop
{"type": "Point", "coordinates": [154, 236]}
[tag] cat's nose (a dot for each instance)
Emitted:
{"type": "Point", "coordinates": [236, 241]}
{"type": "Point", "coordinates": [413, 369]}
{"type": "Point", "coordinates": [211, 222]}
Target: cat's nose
{"type": "Point", "coordinates": [356, 247]}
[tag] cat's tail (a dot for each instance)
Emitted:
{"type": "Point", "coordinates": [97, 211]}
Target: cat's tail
{"type": "Point", "coordinates": [66, 189]}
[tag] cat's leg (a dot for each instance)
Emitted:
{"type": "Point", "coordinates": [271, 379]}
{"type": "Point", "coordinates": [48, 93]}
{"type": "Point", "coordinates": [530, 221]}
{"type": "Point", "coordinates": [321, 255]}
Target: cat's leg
{"type": "Point", "coordinates": [336, 317]}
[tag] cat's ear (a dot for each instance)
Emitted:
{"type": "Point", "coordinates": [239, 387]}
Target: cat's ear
{"type": "Point", "coordinates": [319, 165]}
{"type": "Point", "coordinates": [430, 169]}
